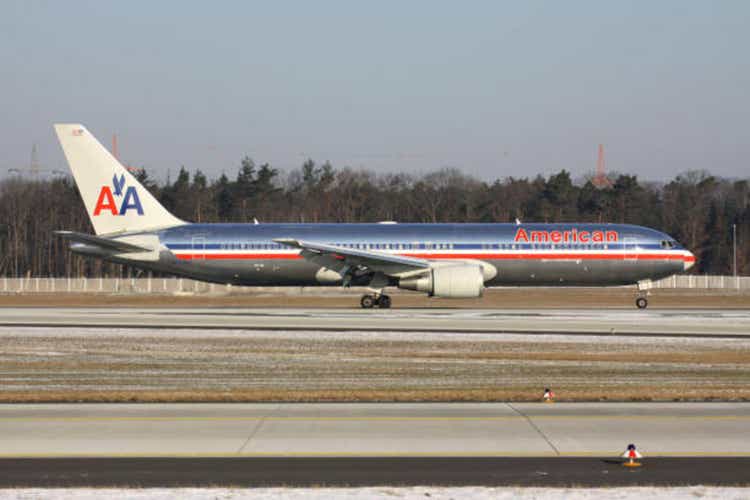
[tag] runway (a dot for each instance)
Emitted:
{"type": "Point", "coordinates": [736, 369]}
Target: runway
{"type": "Point", "coordinates": [662, 322]}
{"type": "Point", "coordinates": [375, 430]}
{"type": "Point", "coordinates": [365, 444]}
{"type": "Point", "coordinates": [360, 472]}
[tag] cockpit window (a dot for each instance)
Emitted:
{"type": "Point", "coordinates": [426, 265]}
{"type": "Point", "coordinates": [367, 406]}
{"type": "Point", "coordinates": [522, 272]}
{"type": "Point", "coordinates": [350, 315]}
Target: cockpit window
{"type": "Point", "coordinates": [668, 243]}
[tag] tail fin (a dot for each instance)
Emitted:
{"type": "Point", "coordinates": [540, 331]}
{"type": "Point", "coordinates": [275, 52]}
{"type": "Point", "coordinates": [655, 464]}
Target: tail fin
{"type": "Point", "coordinates": [115, 201]}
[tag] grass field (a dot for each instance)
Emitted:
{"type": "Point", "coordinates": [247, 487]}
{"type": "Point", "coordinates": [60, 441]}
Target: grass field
{"type": "Point", "coordinates": [46, 364]}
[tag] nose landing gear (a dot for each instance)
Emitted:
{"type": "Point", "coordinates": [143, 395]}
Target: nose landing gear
{"type": "Point", "coordinates": [369, 301]}
{"type": "Point", "coordinates": [641, 300]}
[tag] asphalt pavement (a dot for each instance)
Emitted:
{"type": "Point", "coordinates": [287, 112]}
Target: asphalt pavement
{"type": "Point", "coordinates": [385, 471]}
{"type": "Point", "coordinates": [658, 322]}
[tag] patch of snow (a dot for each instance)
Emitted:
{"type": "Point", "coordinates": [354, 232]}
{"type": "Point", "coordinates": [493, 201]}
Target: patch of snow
{"type": "Point", "coordinates": [417, 492]}
{"type": "Point", "coordinates": [442, 336]}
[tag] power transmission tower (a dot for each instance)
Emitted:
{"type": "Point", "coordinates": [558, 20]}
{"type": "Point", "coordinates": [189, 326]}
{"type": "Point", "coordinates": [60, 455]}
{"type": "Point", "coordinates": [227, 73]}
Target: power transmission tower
{"type": "Point", "coordinates": [34, 169]}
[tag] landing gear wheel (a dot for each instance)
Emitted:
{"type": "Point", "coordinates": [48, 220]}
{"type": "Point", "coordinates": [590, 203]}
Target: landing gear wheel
{"type": "Point", "coordinates": [384, 302]}
{"type": "Point", "coordinates": [641, 303]}
{"type": "Point", "coordinates": [367, 301]}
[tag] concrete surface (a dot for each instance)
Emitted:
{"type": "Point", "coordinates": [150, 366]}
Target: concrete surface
{"type": "Point", "coordinates": [635, 322]}
{"type": "Point", "coordinates": [372, 430]}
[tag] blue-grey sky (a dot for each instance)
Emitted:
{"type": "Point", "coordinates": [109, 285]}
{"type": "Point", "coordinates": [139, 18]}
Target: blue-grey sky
{"type": "Point", "coordinates": [493, 88]}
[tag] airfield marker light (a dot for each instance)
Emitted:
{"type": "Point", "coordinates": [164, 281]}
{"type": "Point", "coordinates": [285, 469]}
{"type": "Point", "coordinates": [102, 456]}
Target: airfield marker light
{"type": "Point", "coordinates": [632, 455]}
{"type": "Point", "coordinates": [549, 396]}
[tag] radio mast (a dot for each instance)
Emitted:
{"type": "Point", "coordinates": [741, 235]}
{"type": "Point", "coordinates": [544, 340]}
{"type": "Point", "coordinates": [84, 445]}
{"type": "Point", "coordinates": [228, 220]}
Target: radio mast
{"type": "Point", "coordinates": [600, 179]}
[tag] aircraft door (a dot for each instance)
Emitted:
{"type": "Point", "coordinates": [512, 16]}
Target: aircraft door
{"type": "Point", "coordinates": [199, 248]}
{"type": "Point", "coordinates": [631, 249]}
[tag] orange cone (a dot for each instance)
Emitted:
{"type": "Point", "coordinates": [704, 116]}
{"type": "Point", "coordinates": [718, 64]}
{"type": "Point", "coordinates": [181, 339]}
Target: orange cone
{"type": "Point", "coordinates": [549, 396]}
{"type": "Point", "coordinates": [632, 455]}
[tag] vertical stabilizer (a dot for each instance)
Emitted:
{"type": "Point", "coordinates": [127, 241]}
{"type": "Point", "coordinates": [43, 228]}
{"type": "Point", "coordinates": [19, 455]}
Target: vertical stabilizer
{"type": "Point", "coordinates": [115, 201]}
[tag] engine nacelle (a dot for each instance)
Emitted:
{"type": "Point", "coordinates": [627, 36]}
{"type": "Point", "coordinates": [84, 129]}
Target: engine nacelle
{"type": "Point", "coordinates": [455, 282]}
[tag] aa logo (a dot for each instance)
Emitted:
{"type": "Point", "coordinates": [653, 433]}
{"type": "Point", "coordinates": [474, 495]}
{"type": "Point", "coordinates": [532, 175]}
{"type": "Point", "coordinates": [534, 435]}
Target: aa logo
{"type": "Point", "coordinates": [129, 200]}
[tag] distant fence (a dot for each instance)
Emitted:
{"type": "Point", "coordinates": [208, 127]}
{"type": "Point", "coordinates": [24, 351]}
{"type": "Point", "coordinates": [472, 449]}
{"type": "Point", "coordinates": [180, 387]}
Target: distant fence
{"type": "Point", "coordinates": [177, 286]}
{"type": "Point", "coordinates": [144, 285]}
{"type": "Point", "coordinates": [705, 281]}
{"type": "Point", "coordinates": [108, 285]}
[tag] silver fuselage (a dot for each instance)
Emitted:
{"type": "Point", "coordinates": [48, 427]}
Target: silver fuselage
{"type": "Point", "coordinates": [562, 254]}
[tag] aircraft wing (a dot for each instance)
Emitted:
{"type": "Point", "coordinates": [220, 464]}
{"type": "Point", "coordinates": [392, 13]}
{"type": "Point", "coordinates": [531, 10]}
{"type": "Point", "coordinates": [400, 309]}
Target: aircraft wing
{"type": "Point", "coordinates": [103, 243]}
{"type": "Point", "coordinates": [343, 259]}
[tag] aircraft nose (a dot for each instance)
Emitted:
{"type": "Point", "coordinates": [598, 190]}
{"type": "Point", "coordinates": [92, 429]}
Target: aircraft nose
{"type": "Point", "coordinates": [689, 260]}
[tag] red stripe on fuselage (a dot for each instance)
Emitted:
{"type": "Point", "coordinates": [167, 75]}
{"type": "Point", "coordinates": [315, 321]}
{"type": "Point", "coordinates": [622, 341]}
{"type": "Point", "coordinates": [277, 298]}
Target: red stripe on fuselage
{"type": "Point", "coordinates": [237, 256]}
{"type": "Point", "coordinates": [477, 256]}
{"type": "Point", "coordinates": [556, 256]}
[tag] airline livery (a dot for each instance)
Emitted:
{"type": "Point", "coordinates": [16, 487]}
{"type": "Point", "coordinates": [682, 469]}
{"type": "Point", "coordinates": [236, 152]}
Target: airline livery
{"type": "Point", "coordinates": [441, 260]}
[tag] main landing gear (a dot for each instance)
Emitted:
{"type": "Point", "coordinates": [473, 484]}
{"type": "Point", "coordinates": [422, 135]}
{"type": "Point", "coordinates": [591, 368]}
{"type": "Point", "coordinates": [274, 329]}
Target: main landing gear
{"type": "Point", "coordinates": [641, 302]}
{"type": "Point", "coordinates": [369, 301]}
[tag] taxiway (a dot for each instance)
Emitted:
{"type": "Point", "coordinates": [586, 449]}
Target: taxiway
{"type": "Point", "coordinates": [659, 322]}
{"type": "Point", "coordinates": [360, 444]}
{"type": "Point", "coordinates": [372, 430]}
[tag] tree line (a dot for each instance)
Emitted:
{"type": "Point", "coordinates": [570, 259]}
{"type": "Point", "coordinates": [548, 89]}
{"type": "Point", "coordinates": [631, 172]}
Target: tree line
{"type": "Point", "coordinates": [696, 208]}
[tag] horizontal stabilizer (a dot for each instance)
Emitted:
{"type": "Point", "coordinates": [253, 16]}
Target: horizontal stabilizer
{"type": "Point", "coordinates": [104, 243]}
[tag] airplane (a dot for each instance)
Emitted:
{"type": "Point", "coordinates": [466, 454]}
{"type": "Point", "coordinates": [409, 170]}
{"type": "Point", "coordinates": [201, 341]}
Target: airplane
{"type": "Point", "coordinates": [440, 260]}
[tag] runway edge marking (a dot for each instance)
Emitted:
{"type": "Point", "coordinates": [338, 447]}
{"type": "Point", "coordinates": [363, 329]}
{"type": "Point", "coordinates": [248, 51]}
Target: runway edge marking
{"type": "Point", "coordinates": [444, 454]}
{"type": "Point", "coordinates": [373, 419]}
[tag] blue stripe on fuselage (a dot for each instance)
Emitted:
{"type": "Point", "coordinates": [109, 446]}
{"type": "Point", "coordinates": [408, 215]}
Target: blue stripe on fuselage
{"type": "Point", "coordinates": [415, 236]}
{"type": "Point", "coordinates": [454, 246]}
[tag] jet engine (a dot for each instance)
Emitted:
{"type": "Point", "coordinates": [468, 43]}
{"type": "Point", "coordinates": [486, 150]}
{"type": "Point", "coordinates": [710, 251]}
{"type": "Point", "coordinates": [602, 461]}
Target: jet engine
{"type": "Point", "coordinates": [449, 281]}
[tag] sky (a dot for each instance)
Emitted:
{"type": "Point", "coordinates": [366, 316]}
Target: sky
{"type": "Point", "coordinates": [493, 88]}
